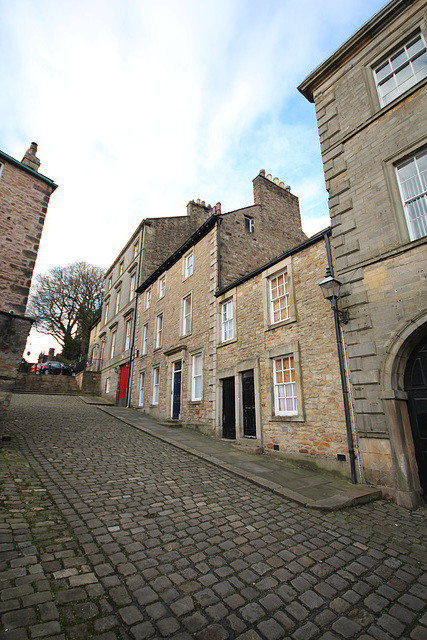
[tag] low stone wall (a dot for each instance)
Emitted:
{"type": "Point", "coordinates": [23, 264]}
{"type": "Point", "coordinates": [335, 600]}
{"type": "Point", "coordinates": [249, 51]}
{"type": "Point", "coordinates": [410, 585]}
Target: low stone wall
{"type": "Point", "coordinates": [89, 382]}
{"type": "Point", "coordinates": [14, 332]}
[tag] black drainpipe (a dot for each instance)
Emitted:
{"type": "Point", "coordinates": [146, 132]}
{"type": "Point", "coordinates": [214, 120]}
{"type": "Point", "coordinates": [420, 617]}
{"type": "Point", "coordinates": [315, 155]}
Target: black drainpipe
{"type": "Point", "coordinates": [342, 371]}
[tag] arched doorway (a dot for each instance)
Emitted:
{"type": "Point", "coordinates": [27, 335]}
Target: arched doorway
{"type": "Point", "coordinates": [416, 388]}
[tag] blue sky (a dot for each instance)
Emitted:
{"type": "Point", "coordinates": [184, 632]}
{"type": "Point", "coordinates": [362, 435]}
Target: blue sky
{"type": "Point", "coordinates": [139, 107]}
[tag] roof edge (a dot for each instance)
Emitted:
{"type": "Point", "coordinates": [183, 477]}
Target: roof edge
{"type": "Point", "coordinates": [33, 173]}
{"type": "Point", "coordinates": [368, 29]}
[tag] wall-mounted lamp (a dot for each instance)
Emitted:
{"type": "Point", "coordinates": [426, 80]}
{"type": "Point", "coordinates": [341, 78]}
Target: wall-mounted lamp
{"type": "Point", "coordinates": [331, 288]}
{"type": "Point", "coordinates": [331, 291]}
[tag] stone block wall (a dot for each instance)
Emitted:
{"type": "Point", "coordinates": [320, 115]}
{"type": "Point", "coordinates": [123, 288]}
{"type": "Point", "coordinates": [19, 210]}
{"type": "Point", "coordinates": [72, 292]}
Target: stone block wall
{"type": "Point", "coordinates": [318, 433]}
{"type": "Point", "coordinates": [276, 228]}
{"type": "Point", "coordinates": [175, 346]}
{"type": "Point", "coordinates": [24, 198]}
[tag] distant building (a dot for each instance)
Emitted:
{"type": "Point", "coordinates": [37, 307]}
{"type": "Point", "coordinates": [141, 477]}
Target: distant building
{"type": "Point", "coordinates": [371, 106]}
{"type": "Point", "coordinates": [24, 198]}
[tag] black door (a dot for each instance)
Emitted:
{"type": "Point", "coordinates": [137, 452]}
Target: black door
{"type": "Point", "coordinates": [416, 388]}
{"type": "Point", "coordinates": [176, 392]}
{"type": "Point", "coordinates": [248, 387]}
{"type": "Point", "coordinates": [228, 409]}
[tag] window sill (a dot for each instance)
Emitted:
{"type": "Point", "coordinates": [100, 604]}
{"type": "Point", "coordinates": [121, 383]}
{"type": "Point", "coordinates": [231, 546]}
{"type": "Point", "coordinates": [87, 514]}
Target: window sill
{"type": "Point", "coordinates": [298, 418]}
{"type": "Point", "coordinates": [195, 401]}
{"type": "Point", "coordinates": [224, 344]}
{"type": "Point", "coordinates": [282, 323]}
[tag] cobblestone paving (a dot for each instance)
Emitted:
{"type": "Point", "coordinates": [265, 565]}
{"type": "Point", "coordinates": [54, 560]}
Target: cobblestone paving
{"type": "Point", "coordinates": [108, 533]}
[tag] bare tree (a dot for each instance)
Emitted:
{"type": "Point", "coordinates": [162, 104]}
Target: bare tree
{"type": "Point", "coordinates": [65, 301]}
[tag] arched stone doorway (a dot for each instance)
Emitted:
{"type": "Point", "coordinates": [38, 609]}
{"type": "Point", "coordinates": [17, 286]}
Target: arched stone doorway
{"type": "Point", "coordinates": [398, 374]}
{"type": "Point", "coordinates": [416, 389]}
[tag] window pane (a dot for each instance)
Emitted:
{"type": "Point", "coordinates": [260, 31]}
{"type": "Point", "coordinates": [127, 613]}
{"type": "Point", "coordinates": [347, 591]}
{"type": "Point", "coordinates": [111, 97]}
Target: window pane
{"type": "Point", "coordinates": [415, 46]}
{"type": "Point", "coordinates": [398, 59]}
{"type": "Point", "coordinates": [383, 71]}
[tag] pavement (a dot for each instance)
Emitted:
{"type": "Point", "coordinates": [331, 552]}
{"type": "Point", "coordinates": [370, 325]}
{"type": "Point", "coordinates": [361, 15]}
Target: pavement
{"type": "Point", "coordinates": [308, 487]}
{"type": "Point", "coordinates": [108, 532]}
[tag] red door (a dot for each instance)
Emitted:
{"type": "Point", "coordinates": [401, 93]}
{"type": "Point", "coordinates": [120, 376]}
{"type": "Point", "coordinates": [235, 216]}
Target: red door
{"type": "Point", "coordinates": [123, 384]}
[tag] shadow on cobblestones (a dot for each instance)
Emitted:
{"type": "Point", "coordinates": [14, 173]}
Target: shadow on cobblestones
{"type": "Point", "coordinates": [107, 533]}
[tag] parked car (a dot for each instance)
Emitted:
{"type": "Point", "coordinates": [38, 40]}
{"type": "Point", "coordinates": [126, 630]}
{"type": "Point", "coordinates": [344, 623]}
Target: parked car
{"type": "Point", "coordinates": [35, 368]}
{"type": "Point", "coordinates": [56, 368]}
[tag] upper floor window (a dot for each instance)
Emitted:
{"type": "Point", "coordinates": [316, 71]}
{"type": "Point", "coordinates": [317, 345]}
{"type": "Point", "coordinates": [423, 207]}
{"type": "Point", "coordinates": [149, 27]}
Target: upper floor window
{"type": "Point", "coordinates": [279, 297]}
{"type": "Point", "coordinates": [186, 315]}
{"type": "Point", "coordinates": [113, 343]}
{"type": "Point", "coordinates": [412, 178]}
{"type": "Point", "coordinates": [128, 334]}
{"type": "Point", "coordinates": [110, 282]}
{"type": "Point", "coordinates": [159, 331]}
{"type": "Point", "coordinates": [107, 311]}
{"type": "Point", "coordinates": [135, 249]}
{"type": "Point", "coordinates": [118, 294]}
{"type": "Point", "coordinates": [227, 320]}
{"type": "Point", "coordinates": [402, 70]}
{"type": "Point", "coordinates": [148, 298]}
{"type": "Point", "coordinates": [144, 344]}
{"type": "Point", "coordinates": [1, 168]}
{"type": "Point", "coordinates": [121, 267]}
{"type": "Point", "coordinates": [162, 286]}
{"type": "Point", "coordinates": [285, 388]}
{"type": "Point", "coordinates": [188, 265]}
{"type": "Point", "coordinates": [132, 286]}
{"type": "Point", "coordinates": [249, 224]}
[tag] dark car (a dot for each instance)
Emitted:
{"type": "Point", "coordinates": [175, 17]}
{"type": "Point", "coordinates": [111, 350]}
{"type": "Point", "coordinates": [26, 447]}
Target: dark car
{"type": "Point", "coordinates": [56, 368]}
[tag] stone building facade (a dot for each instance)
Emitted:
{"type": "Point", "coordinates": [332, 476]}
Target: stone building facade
{"type": "Point", "coordinates": [371, 106]}
{"type": "Point", "coordinates": [24, 198]}
{"type": "Point", "coordinates": [146, 249]}
{"type": "Point", "coordinates": [207, 353]}
{"type": "Point", "coordinates": [277, 372]}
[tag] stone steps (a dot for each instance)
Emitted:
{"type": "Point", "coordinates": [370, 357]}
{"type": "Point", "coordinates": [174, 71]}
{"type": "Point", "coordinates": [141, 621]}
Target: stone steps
{"type": "Point", "coordinates": [46, 384]}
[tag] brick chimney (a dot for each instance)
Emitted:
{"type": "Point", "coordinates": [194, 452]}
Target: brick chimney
{"type": "Point", "coordinates": [30, 159]}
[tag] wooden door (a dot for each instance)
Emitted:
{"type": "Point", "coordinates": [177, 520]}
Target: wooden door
{"type": "Point", "coordinates": [248, 393]}
{"type": "Point", "coordinates": [176, 389]}
{"type": "Point", "coordinates": [228, 409]}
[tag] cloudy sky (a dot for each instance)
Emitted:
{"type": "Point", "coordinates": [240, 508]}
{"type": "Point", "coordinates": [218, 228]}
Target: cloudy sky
{"type": "Point", "coordinates": [139, 107]}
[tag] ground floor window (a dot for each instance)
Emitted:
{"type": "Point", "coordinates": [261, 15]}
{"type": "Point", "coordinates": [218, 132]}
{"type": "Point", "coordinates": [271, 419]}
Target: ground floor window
{"type": "Point", "coordinates": [285, 388]}
{"type": "Point", "coordinates": [196, 387]}
{"type": "Point", "coordinates": [156, 385]}
{"type": "Point", "coordinates": [107, 385]}
{"type": "Point", "coordinates": [141, 389]}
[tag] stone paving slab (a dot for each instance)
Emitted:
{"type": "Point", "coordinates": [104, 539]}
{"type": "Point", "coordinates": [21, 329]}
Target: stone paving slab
{"type": "Point", "coordinates": [107, 533]}
{"type": "Point", "coordinates": [305, 486]}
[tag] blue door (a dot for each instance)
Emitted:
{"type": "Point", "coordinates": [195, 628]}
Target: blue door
{"type": "Point", "coordinates": [176, 390]}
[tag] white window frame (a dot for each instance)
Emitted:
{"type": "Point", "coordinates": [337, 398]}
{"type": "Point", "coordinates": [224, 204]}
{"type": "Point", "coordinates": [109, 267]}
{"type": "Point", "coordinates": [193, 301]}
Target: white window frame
{"type": "Point", "coordinates": [113, 343]}
{"type": "Point", "coordinates": [227, 320]}
{"type": "Point", "coordinates": [187, 312]}
{"type": "Point", "coordinates": [132, 286]}
{"type": "Point", "coordinates": [118, 296]}
{"type": "Point", "coordinates": [277, 297]}
{"type": "Point", "coordinates": [285, 391]}
{"type": "Point", "coordinates": [1, 168]}
{"type": "Point", "coordinates": [144, 343]}
{"type": "Point", "coordinates": [128, 333]}
{"type": "Point", "coordinates": [107, 385]}
{"type": "Point", "coordinates": [159, 331]}
{"type": "Point", "coordinates": [188, 264]}
{"type": "Point", "coordinates": [249, 224]}
{"type": "Point", "coordinates": [413, 193]}
{"type": "Point", "coordinates": [110, 282]}
{"type": "Point", "coordinates": [141, 389]}
{"type": "Point", "coordinates": [107, 311]}
{"type": "Point", "coordinates": [196, 377]}
{"type": "Point", "coordinates": [135, 249]}
{"type": "Point", "coordinates": [162, 287]}
{"type": "Point", "coordinates": [400, 59]}
{"type": "Point", "coordinates": [121, 267]}
{"type": "Point", "coordinates": [147, 299]}
{"type": "Point", "coordinates": [156, 385]}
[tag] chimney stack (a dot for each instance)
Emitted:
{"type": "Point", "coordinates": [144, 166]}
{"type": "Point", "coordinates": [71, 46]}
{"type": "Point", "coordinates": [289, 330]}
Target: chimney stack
{"type": "Point", "coordinates": [30, 159]}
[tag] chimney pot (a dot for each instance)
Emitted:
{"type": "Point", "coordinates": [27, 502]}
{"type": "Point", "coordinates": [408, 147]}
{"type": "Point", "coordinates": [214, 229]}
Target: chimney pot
{"type": "Point", "coordinates": [262, 172]}
{"type": "Point", "coordinates": [276, 180]}
{"type": "Point", "coordinates": [269, 177]}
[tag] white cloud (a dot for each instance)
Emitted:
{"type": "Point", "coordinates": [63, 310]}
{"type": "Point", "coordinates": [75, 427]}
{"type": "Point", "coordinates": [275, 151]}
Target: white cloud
{"type": "Point", "coordinates": [140, 106]}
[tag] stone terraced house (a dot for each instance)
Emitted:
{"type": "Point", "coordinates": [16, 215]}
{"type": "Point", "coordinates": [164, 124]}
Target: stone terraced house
{"type": "Point", "coordinates": [24, 198]}
{"type": "Point", "coordinates": [233, 335]}
{"type": "Point", "coordinates": [371, 106]}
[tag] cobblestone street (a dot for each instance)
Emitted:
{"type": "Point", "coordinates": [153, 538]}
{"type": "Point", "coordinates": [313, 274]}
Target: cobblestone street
{"type": "Point", "coordinates": [109, 533]}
